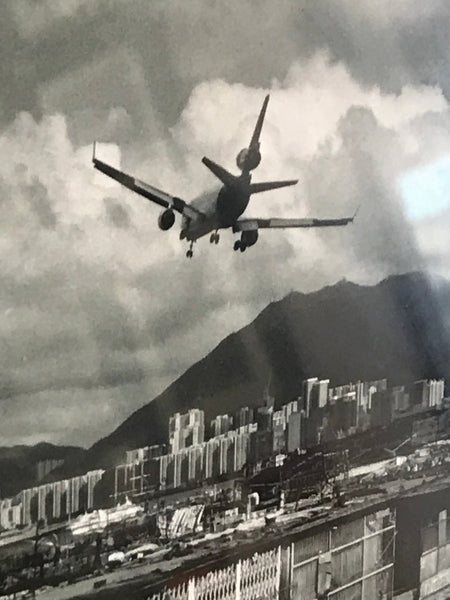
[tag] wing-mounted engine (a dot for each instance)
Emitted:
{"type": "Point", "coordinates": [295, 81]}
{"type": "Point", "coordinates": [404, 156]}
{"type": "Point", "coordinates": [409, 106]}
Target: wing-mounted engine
{"type": "Point", "coordinates": [248, 159]}
{"type": "Point", "coordinates": [166, 219]}
{"type": "Point", "coordinates": [248, 238]}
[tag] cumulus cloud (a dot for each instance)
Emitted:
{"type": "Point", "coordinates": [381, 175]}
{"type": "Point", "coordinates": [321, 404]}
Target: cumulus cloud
{"type": "Point", "coordinates": [43, 43]}
{"type": "Point", "coordinates": [33, 17]}
{"type": "Point", "coordinates": [100, 310]}
{"type": "Point", "coordinates": [432, 234]}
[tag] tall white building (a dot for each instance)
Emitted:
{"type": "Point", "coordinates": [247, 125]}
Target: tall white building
{"type": "Point", "coordinates": [187, 429]}
{"type": "Point", "coordinates": [319, 394]}
{"type": "Point", "coordinates": [221, 424]}
{"type": "Point", "coordinates": [308, 385]}
{"type": "Point", "coordinates": [60, 498]}
{"type": "Point", "coordinates": [436, 392]}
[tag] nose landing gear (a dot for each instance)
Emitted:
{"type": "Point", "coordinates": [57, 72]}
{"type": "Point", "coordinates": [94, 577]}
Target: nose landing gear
{"type": "Point", "coordinates": [190, 252]}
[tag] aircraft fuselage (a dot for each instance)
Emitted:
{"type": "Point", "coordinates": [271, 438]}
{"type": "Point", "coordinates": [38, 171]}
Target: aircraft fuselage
{"type": "Point", "coordinates": [219, 210]}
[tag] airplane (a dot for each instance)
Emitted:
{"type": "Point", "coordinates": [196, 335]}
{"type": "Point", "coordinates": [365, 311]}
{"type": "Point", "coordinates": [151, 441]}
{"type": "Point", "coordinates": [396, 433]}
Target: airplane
{"type": "Point", "coordinates": [221, 209]}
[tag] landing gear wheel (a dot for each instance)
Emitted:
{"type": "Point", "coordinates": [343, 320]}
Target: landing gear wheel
{"type": "Point", "coordinates": [190, 253]}
{"type": "Point", "coordinates": [237, 245]}
{"type": "Point", "coordinates": [242, 247]}
{"type": "Point", "coordinates": [214, 238]}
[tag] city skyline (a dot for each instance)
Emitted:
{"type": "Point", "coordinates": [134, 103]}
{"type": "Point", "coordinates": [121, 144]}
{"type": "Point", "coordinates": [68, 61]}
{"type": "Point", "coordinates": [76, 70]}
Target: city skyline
{"type": "Point", "coordinates": [261, 436]}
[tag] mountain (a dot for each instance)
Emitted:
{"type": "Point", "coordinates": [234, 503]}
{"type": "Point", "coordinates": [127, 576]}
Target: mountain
{"type": "Point", "coordinates": [19, 464]}
{"type": "Point", "coordinates": [398, 329]}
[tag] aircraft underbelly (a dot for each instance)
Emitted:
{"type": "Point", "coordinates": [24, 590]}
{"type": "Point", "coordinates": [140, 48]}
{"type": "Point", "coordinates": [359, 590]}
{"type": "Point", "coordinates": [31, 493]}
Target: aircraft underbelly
{"type": "Point", "coordinates": [205, 222]}
{"type": "Point", "coordinates": [219, 211]}
{"type": "Point", "coordinates": [199, 228]}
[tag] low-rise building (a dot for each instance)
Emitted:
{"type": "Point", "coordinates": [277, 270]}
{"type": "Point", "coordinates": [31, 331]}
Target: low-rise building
{"type": "Point", "coordinates": [10, 513]}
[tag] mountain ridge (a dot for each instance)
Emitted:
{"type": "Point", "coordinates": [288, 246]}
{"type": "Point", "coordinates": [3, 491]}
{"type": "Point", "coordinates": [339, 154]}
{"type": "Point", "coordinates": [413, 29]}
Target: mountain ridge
{"type": "Point", "coordinates": [343, 332]}
{"type": "Point", "coordinates": [18, 464]}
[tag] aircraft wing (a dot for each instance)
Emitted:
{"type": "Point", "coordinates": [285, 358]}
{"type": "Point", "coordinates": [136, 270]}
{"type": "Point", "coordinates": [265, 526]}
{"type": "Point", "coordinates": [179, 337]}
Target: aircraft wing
{"type": "Point", "coordinates": [144, 189]}
{"type": "Point", "coordinates": [252, 224]}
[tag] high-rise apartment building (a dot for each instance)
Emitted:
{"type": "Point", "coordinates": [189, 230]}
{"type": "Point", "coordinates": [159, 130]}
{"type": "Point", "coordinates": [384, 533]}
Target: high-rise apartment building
{"type": "Point", "coordinates": [288, 409]}
{"type": "Point", "coordinates": [187, 429]}
{"type": "Point", "coordinates": [221, 424]}
{"type": "Point", "coordinates": [307, 388]}
{"type": "Point", "coordinates": [243, 417]}
{"type": "Point", "coordinates": [295, 431]}
{"type": "Point", "coordinates": [318, 396]}
{"type": "Point", "coordinates": [145, 453]}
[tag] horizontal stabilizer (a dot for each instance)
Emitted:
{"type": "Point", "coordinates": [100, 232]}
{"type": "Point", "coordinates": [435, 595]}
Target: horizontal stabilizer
{"type": "Point", "coordinates": [225, 176]}
{"type": "Point", "coordinates": [255, 188]}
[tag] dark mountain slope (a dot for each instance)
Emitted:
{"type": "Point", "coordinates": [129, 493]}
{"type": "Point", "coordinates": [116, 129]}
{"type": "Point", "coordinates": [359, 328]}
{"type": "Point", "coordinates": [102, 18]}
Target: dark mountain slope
{"type": "Point", "coordinates": [396, 329]}
{"type": "Point", "coordinates": [18, 464]}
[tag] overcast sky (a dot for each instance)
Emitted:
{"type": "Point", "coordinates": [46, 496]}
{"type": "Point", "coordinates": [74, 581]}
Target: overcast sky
{"type": "Point", "coordinates": [100, 310]}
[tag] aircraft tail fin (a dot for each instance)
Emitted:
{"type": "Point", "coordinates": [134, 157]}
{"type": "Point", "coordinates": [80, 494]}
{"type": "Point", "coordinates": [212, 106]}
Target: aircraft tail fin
{"type": "Point", "coordinates": [225, 176]}
{"type": "Point", "coordinates": [254, 142]}
{"type": "Point", "coordinates": [255, 188]}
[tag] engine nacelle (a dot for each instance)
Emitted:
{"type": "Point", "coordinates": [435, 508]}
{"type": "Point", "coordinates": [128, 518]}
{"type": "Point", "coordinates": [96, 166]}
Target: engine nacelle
{"type": "Point", "coordinates": [248, 159]}
{"type": "Point", "coordinates": [166, 219]}
{"type": "Point", "coordinates": [249, 238]}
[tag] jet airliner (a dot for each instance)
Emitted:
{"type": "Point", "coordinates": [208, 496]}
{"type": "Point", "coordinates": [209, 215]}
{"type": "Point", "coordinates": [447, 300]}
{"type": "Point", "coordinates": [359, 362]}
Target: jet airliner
{"type": "Point", "coordinates": [208, 214]}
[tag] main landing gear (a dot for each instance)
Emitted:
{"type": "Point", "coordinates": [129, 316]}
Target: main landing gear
{"type": "Point", "coordinates": [239, 245]}
{"type": "Point", "coordinates": [214, 239]}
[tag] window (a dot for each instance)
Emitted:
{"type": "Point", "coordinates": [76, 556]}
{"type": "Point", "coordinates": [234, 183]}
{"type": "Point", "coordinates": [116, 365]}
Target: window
{"type": "Point", "coordinates": [304, 581]}
{"type": "Point", "coordinates": [429, 537]}
{"type": "Point", "coordinates": [378, 585]}
{"type": "Point", "coordinates": [347, 564]}
{"type": "Point", "coordinates": [309, 547]}
{"type": "Point", "coordinates": [346, 533]}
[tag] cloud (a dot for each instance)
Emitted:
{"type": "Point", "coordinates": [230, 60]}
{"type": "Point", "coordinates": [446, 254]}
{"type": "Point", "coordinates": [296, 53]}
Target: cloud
{"type": "Point", "coordinates": [431, 182]}
{"type": "Point", "coordinates": [32, 17]}
{"type": "Point", "coordinates": [74, 410]}
{"type": "Point", "coordinates": [100, 310]}
{"type": "Point", "coordinates": [432, 234]}
{"type": "Point", "coordinates": [54, 51]}
{"type": "Point", "coordinates": [117, 214]}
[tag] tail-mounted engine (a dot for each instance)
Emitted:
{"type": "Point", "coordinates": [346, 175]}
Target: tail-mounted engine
{"type": "Point", "coordinates": [166, 219]}
{"type": "Point", "coordinates": [248, 159]}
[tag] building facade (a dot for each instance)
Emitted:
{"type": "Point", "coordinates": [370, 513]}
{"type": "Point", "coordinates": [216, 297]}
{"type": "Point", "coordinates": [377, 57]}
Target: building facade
{"type": "Point", "coordinates": [59, 499]}
{"type": "Point", "coordinates": [346, 559]}
{"type": "Point", "coordinates": [186, 429]}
